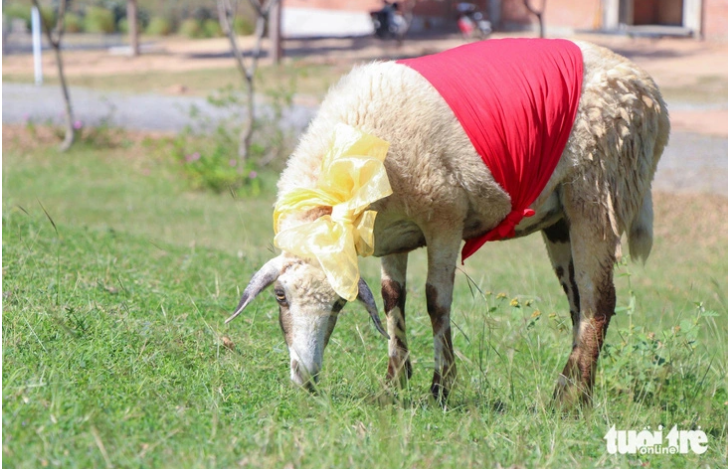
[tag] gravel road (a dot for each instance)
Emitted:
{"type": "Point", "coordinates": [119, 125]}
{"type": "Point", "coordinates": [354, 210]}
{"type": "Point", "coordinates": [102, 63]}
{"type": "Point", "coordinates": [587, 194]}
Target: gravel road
{"type": "Point", "coordinates": [692, 162]}
{"type": "Point", "coordinates": [131, 111]}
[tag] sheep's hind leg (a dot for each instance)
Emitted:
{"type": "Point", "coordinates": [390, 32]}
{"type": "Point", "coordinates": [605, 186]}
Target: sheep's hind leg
{"type": "Point", "coordinates": [593, 250]}
{"type": "Point", "coordinates": [558, 245]}
{"type": "Point", "coordinates": [442, 252]}
{"type": "Point", "coordinates": [394, 293]}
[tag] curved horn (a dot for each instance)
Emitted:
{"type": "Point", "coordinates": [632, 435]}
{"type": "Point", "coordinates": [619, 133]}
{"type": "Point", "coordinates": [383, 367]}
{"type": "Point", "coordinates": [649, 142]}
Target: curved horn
{"type": "Point", "coordinates": [365, 296]}
{"type": "Point", "coordinates": [262, 278]}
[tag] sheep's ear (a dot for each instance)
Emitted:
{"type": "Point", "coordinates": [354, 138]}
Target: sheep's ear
{"type": "Point", "coordinates": [262, 278]}
{"type": "Point", "coordinates": [365, 296]}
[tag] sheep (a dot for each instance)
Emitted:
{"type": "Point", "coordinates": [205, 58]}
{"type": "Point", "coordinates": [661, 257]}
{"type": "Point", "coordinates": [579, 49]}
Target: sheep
{"type": "Point", "coordinates": [442, 193]}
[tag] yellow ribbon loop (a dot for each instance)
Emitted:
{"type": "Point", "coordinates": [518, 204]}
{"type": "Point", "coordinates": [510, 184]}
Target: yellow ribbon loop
{"type": "Point", "coordinates": [352, 177]}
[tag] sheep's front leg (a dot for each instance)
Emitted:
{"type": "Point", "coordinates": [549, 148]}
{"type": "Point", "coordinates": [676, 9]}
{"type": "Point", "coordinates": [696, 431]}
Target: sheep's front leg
{"type": "Point", "coordinates": [394, 293]}
{"type": "Point", "coordinates": [442, 252]}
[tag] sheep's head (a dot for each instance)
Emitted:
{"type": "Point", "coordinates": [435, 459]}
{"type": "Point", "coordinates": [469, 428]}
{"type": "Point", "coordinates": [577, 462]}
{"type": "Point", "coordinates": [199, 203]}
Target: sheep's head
{"type": "Point", "coordinates": [308, 310]}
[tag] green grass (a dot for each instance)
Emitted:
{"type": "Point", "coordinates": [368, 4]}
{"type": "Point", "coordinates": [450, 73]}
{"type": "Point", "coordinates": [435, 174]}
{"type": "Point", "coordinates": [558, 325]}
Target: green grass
{"type": "Point", "coordinates": [708, 89]}
{"type": "Point", "coordinates": [310, 79]}
{"type": "Point", "coordinates": [113, 352]}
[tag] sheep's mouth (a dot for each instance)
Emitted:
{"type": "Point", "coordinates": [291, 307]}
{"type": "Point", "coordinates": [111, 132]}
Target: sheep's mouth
{"type": "Point", "coordinates": [301, 377]}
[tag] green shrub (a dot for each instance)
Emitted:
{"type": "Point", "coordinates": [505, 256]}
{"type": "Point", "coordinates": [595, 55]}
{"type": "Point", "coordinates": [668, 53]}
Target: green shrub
{"type": "Point", "coordinates": [22, 11]}
{"type": "Point", "coordinates": [207, 152]}
{"type": "Point", "coordinates": [15, 10]}
{"type": "Point", "coordinates": [48, 14]}
{"type": "Point", "coordinates": [243, 26]}
{"type": "Point", "coordinates": [159, 26]}
{"type": "Point", "coordinates": [99, 20]}
{"type": "Point", "coordinates": [656, 367]}
{"type": "Point", "coordinates": [202, 13]}
{"type": "Point", "coordinates": [211, 163]}
{"type": "Point", "coordinates": [190, 28]}
{"type": "Point", "coordinates": [74, 23]}
{"type": "Point", "coordinates": [211, 28]}
{"type": "Point", "coordinates": [123, 25]}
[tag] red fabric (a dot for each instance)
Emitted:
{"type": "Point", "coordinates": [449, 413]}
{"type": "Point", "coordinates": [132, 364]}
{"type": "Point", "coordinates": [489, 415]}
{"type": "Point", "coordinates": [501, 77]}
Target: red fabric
{"type": "Point", "coordinates": [517, 100]}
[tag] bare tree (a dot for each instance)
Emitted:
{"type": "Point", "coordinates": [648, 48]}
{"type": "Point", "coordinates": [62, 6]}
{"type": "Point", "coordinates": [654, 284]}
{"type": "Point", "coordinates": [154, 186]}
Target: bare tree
{"type": "Point", "coordinates": [274, 32]}
{"type": "Point", "coordinates": [538, 14]}
{"type": "Point", "coordinates": [55, 36]}
{"type": "Point", "coordinates": [131, 17]}
{"type": "Point", "coordinates": [226, 11]}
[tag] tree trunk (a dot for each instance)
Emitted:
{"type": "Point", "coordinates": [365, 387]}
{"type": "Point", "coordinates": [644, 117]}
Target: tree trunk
{"type": "Point", "coordinates": [539, 16]}
{"type": "Point", "coordinates": [274, 32]}
{"type": "Point", "coordinates": [70, 129]}
{"type": "Point", "coordinates": [246, 135]}
{"type": "Point", "coordinates": [55, 36]}
{"type": "Point", "coordinates": [226, 13]}
{"type": "Point", "coordinates": [131, 17]}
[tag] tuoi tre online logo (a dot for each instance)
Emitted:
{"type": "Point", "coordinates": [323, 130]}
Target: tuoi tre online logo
{"type": "Point", "coordinates": [652, 442]}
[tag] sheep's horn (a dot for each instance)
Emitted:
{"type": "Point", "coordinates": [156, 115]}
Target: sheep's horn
{"type": "Point", "coordinates": [262, 278]}
{"type": "Point", "coordinates": [366, 297]}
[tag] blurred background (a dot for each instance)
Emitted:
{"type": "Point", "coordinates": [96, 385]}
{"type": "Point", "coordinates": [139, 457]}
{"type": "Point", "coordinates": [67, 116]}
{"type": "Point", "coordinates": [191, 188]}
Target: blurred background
{"type": "Point", "coordinates": [158, 74]}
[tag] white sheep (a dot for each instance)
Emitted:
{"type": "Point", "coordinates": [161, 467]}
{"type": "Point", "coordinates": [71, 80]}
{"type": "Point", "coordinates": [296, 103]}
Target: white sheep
{"type": "Point", "coordinates": [443, 194]}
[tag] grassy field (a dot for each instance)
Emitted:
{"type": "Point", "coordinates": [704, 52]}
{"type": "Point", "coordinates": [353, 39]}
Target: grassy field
{"type": "Point", "coordinates": [117, 280]}
{"type": "Point", "coordinates": [312, 80]}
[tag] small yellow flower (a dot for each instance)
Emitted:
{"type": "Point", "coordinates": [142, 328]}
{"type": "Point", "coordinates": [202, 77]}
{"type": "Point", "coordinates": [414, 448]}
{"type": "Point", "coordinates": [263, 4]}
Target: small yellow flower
{"type": "Point", "coordinates": [551, 316]}
{"type": "Point", "coordinates": [529, 302]}
{"type": "Point", "coordinates": [488, 293]}
{"type": "Point", "coordinates": [514, 302]}
{"type": "Point", "coordinates": [501, 296]}
{"type": "Point", "coordinates": [536, 314]}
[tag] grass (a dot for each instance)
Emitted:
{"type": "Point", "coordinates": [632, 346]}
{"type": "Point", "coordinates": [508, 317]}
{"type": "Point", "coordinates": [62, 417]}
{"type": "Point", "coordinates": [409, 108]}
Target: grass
{"type": "Point", "coordinates": [708, 89]}
{"type": "Point", "coordinates": [312, 80]}
{"type": "Point", "coordinates": [117, 280]}
{"type": "Point", "coordinates": [308, 80]}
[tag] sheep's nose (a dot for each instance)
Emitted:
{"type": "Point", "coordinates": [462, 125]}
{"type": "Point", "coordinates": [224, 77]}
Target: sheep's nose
{"type": "Point", "coordinates": [301, 376]}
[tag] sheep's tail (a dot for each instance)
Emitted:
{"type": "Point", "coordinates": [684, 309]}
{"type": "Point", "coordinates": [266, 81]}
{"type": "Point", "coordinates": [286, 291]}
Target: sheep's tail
{"type": "Point", "coordinates": [640, 230]}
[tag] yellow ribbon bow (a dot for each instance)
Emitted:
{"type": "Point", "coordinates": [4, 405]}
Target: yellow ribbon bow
{"type": "Point", "coordinates": [352, 177]}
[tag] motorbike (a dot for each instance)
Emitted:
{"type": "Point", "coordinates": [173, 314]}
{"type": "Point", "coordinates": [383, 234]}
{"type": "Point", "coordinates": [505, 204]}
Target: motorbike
{"type": "Point", "coordinates": [389, 22]}
{"type": "Point", "coordinates": [472, 23]}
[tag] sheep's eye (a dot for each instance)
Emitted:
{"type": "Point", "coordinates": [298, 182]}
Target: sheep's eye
{"type": "Point", "coordinates": [281, 297]}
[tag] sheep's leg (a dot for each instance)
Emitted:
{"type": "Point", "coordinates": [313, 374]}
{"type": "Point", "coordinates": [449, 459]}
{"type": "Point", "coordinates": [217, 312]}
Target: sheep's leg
{"type": "Point", "coordinates": [394, 293]}
{"type": "Point", "coordinates": [593, 249]}
{"type": "Point", "coordinates": [558, 245]}
{"type": "Point", "coordinates": [442, 252]}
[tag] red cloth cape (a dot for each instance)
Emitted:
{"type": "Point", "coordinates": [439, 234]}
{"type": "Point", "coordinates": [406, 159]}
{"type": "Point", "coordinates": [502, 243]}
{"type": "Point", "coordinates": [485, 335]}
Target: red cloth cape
{"type": "Point", "coordinates": [516, 100]}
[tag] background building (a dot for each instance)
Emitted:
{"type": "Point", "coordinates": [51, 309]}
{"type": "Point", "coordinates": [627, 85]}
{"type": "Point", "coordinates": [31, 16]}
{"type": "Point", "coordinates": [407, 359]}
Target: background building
{"type": "Point", "coordinates": [703, 19]}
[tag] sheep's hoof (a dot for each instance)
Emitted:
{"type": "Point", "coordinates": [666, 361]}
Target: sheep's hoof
{"type": "Point", "coordinates": [440, 393]}
{"type": "Point", "coordinates": [570, 395]}
{"type": "Point", "coordinates": [398, 373]}
{"type": "Point", "coordinates": [442, 384]}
